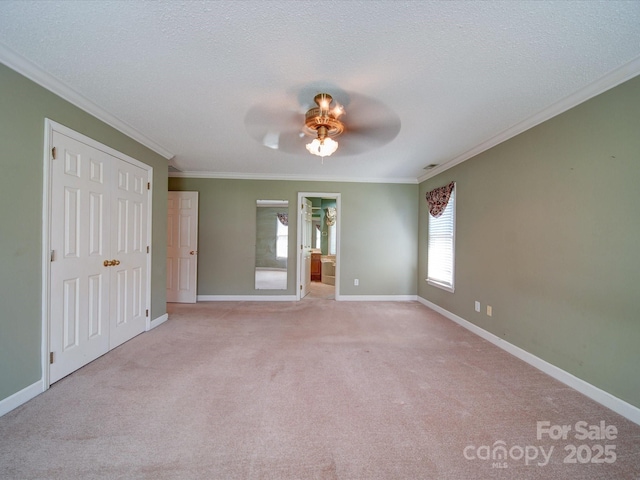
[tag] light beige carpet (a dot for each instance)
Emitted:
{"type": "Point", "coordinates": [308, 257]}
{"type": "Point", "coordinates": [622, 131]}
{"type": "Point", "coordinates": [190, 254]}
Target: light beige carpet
{"type": "Point", "coordinates": [316, 389]}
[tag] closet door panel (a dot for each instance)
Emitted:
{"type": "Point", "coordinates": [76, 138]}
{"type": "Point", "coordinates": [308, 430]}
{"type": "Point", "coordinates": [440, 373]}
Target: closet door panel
{"type": "Point", "coordinates": [79, 239]}
{"type": "Point", "coordinates": [129, 206]}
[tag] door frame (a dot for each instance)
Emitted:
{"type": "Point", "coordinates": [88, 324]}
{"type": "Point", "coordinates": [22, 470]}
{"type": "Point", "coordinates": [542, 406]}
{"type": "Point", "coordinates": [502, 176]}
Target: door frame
{"type": "Point", "coordinates": [49, 127]}
{"type": "Point", "coordinates": [338, 198]}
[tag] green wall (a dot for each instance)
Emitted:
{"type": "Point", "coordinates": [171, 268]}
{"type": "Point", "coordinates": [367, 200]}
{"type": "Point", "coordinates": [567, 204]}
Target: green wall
{"type": "Point", "coordinates": [379, 234]}
{"type": "Point", "coordinates": [548, 234]}
{"type": "Point", "coordinates": [23, 108]}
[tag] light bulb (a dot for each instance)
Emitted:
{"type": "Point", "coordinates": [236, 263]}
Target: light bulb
{"type": "Point", "coordinates": [322, 148]}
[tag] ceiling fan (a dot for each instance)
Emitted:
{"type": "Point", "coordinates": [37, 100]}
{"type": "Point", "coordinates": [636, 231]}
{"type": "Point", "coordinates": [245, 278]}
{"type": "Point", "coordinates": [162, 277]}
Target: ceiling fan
{"type": "Point", "coordinates": [292, 125]}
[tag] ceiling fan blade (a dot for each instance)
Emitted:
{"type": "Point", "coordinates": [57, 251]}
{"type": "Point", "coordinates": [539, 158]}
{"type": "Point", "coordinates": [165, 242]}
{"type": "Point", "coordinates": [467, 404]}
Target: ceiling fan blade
{"type": "Point", "coordinates": [267, 124]}
{"type": "Point", "coordinates": [369, 124]}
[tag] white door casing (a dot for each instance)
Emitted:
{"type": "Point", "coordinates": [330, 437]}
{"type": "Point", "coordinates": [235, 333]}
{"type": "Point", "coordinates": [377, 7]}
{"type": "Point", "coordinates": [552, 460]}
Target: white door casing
{"type": "Point", "coordinates": [182, 247]}
{"type": "Point", "coordinates": [97, 230]}
{"type": "Point", "coordinates": [305, 246]}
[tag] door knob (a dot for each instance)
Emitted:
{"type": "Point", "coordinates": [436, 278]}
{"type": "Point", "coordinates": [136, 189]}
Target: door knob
{"type": "Point", "coordinates": [115, 262]}
{"type": "Point", "coordinates": [193, 252]}
{"type": "Point", "coordinates": [107, 263]}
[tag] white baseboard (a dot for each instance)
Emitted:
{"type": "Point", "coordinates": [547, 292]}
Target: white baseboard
{"type": "Point", "coordinates": [18, 398]}
{"type": "Point", "coordinates": [616, 404]}
{"type": "Point", "coordinates": [292, 298]}
{"type": "Point", "coordinates": [376, 298]}
{"type": "Point", "coordinates": [157, 321]}
{"type": "Point", "coordinates": [246, 298]}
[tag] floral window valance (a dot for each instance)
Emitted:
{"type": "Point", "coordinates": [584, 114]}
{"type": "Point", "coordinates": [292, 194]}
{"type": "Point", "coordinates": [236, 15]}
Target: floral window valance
{"type": "Point", "coordinates": [438, 199]}
{"type": "Point", "coordinates": [284, 218]}
{"type": "Point", "coordinates": [331, 214]}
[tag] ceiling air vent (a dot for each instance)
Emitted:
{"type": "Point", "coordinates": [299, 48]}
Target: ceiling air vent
{"type": "Point", "coordinates": [430, 166]}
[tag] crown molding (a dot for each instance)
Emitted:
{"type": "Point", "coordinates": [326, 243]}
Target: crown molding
{"type": "Point", "coordinates": [604, 83]}
{"type": "Point", "coordinates": [299, 178]}
{"type": "Point", "coordinates": [36, 74]}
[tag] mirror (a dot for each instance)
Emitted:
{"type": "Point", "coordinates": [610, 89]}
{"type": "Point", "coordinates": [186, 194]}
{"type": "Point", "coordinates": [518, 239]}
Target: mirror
{"type": "Point", "coordinates": [272, 244]}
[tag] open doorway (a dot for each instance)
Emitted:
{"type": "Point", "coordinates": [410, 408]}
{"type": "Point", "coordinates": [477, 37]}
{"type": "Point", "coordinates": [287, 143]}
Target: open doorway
{"type": "Point", "coordinates": [319, 216]}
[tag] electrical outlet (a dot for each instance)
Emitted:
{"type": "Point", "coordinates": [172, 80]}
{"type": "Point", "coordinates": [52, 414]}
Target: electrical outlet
{"type": "Point", "coordinates": [489, 310]}
{"type": "Point", "coordinates": [356, 282]}
{"type": "Point", "coordinates": [477, 306]}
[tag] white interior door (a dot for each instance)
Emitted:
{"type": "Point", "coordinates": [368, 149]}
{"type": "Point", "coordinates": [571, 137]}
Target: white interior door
{"type": "Point", "coordinates": [129, 252]}
{"type": "Point", "coordinates": [80, 243]}
{"type": "Point", "coordinates": [99, 238]}
{"type": "Point", "coordinates": [182, 247]}
{"type": "Point", "coordinates": [305, 250]}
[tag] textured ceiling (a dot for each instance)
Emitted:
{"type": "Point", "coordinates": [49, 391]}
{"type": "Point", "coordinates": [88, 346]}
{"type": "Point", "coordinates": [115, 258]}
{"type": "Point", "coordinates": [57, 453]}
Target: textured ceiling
{"type": "Point", "coordinates": [183, 77]}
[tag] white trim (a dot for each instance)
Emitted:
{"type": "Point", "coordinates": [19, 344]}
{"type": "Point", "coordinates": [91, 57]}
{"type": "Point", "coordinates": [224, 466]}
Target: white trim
{"type": "Point", "coordinates": [272, 203]}
{"type": "Point", "coordinates": [301, 178]}
{"type": "Point", "coordinates": [442, 286]}
{"type": "Point", "coordinates": [51, 83]}
{"type": "Point", "coordinates": [151, 184]}
{"type": "Point", "coordinates": [292, 298]}
{"type": "Point", "coordinates": [20, 397]}
{"type": "Point", "coordinates": [157, 321]}
{"type": "Point", "coordinates": [616, 404]}
{"type": "Point", "coordinates": [377, 298]}
{"type": "Point", "coordinates": [246, 298]}
{"type": "Point", "coordinates": [324, 195]}
{"type": "Point", "coordinates": [46, 252]}
{"type": "Point", "coordinates": [604, 83]}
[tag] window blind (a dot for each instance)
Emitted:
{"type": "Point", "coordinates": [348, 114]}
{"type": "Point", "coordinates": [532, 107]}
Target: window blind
{"type": "Point", "coordinates": [441, 248]}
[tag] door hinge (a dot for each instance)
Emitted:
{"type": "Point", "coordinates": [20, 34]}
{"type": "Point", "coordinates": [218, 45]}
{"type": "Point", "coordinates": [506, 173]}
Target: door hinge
{"type": "Point", "coordinates": [53, 255]}
{"type": "Point", "coordinates": [300, 287]}
{"type": "Point", "coordinates": [50, 357]}
{"type": "Point", "coordinates": [147, 248]}
{"type": "Point", "coordinates": [53, 153]}
{"type": "Point", "coordinates": [148, 185]}
{"type": "Point", "coordinates": [147, 312]}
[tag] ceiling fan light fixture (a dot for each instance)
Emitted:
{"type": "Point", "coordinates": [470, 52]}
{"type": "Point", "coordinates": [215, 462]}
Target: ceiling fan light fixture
{"type": "Point", "coordinates": [322, 148]}
{"type": "Point", "coordinates": [323, 122]}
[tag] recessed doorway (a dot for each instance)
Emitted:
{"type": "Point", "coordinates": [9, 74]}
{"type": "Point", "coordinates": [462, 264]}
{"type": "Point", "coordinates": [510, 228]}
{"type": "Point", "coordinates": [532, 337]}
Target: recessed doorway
{"type": "Point", "coordinates": [319, 217]}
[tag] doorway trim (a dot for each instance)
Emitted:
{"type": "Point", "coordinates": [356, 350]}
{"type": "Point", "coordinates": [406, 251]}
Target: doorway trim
{"type": "Point", "coordinates": [338, 198]}
{"type": "Point", "coordinates": [49, 127]}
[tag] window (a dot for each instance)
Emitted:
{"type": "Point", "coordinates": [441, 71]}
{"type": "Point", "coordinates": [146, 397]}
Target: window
{"type": "Point", "coordinates": [318, 237]}
{"type": "Point", "coordinates": [441, 255]}
{"type": "Point", "coordinates": [282, 239]}
{"type": "Point", "coordinates": [332, 239]}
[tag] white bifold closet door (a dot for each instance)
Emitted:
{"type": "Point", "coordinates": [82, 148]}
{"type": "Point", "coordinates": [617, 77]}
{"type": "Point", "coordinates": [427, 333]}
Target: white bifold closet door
{"type": "Point", "coordinates": [99, 239]}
